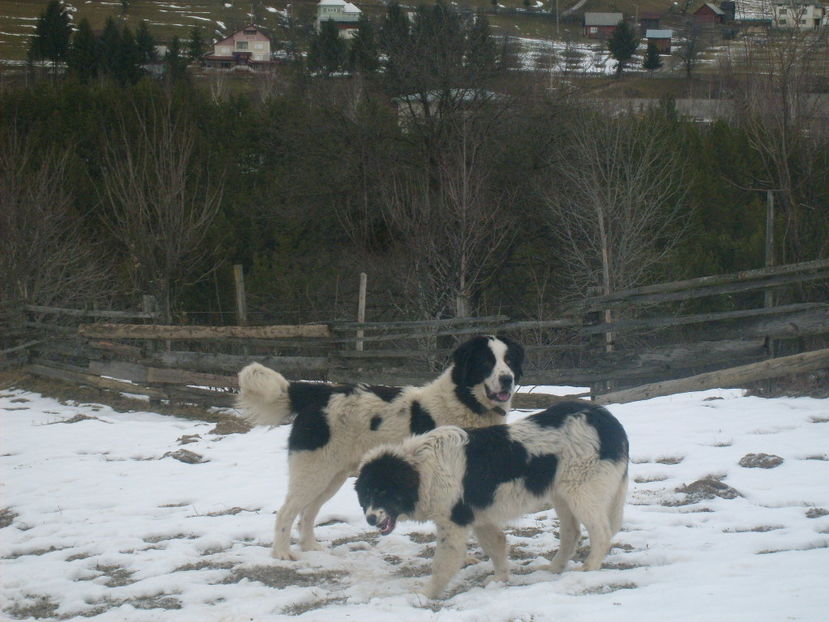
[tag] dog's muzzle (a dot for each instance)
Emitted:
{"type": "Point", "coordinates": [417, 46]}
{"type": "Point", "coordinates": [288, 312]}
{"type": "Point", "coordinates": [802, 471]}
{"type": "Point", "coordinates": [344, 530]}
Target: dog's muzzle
{"type": "Point", "coordinates": [504, 392]}
{"type": "Point", "coordinates": [383, 521]}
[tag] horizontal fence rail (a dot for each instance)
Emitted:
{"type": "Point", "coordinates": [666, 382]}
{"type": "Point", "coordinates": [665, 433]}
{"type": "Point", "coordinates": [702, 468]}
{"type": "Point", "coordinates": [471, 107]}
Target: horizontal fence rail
{"type": "Point", "coordinates": [650, 344]}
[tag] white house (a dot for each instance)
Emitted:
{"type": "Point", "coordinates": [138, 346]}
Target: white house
{"type": "Point", "coordinates": [246, 47]}
{"type": "Point", "coordinates": [345, 16]}
{"type": "Point", "coordinates": [800, 15]}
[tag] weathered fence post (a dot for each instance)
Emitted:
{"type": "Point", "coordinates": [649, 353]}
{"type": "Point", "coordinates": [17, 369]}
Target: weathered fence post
{"type": "Point", "coordinates": [241, 300]}
{"type": "Point", "coordinates": [768, 293]}
{"type": "Point", "coordinates": [361, 309]}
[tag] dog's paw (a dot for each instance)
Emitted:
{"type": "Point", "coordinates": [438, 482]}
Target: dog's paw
{"type": "Point", "coordinates": [501, 578]}
{"type": "Point", "coordinates": [284, 555]}
{"type": "Point", "coordinates": [557, 567]}
{"type": "Point", "coordinates": [311, 546]}
{"type": "Point", "coordinates": [431, 591]}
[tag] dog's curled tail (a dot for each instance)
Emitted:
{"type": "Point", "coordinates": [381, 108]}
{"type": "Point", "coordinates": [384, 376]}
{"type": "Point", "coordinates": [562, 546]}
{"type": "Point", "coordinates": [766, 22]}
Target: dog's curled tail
{"type": "Point", "coordinates": [263, 395]}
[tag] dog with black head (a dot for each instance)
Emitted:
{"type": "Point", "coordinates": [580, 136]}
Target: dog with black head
{"type": "Point", "coordinates": [573, 456]}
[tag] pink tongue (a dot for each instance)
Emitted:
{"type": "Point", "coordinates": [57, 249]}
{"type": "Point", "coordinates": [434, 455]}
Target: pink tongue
{"type": "Point", "coordinates": [387, 526]}
{"type": "Point", "coordinates": [504, 396]}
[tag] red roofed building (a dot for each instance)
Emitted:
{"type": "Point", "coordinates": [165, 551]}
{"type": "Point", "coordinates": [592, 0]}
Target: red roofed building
{"type": "Point", "coordinates": [709, 14]}
{"type": "Point", "coordinates": [248, 47]}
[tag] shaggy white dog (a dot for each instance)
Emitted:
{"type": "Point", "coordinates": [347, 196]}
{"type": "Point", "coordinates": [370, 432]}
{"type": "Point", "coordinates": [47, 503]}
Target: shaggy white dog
{"type": "Point", "coordinates": [573, 455]}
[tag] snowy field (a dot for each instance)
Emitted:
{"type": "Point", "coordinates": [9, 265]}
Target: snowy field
{"type": "Point", "coordinates": [102, 519]}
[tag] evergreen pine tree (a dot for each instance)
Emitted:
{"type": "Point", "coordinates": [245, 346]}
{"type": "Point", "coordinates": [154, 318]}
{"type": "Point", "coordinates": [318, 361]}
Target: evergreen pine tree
{"type": "Point", "coordinates": [110, 48]}
{"type": "Point", "coordinates": [85, 53]}
{"type": "Point", "coordinates": [395, 29]}
{"type": "Point", "coordinates": [127, 60]}
{"type": "Point", "coordinates": [481, 53]}
{"type": "Point", "coordinates": [327, 51]}
{"type": "Point", "coordinates": [175, 61]}
{"type": "Point", "coordinates": [196, 46]}
{"type": "Point", "coordinates": [652, 60]}
{"type": "Point", "coordinates": [52, 34]}
{"type": "Point", "coordinates": [146, 44]}
{"type": "Point", "coordinates": [622, 45]}
{"type": "Point", "coordinates": [364, 54]}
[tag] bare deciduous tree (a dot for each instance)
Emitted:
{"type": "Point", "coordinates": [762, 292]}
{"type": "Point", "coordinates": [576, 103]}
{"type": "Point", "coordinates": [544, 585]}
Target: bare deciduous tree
{"type": "Point", "coordinates": [776, 80]}
{"type": "Point", "coordinates": [159, 201]}
{"type": "Point", "coordinates": [615, 202]}
{"type": "Point", "coordinates": [452, 224]}
{"type": "Point", "coordinates": [44, 256]}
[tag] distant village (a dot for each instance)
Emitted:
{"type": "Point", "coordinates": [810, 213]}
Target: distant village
{"type": "Point", "coordinates": [250, 48]}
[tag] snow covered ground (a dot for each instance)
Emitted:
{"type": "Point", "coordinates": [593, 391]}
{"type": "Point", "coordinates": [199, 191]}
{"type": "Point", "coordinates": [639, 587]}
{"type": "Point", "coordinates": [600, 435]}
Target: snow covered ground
{"type": "Point", "coordinates": [101, 519]}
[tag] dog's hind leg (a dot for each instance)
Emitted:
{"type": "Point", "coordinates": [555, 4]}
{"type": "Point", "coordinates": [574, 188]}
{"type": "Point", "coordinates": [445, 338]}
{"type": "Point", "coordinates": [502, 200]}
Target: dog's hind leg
{"type": "Point", "coordinates": [307, 541]}
{"type": "Point", "coordinates": [494, 543]}
{"type": "Point", "coordinates": [596, 519]}
{"type": "Point", "coordinates": [285, 518]}
{"type": "Point", "coordinates": [568, 540]}
{"type": "Point", "coordinates": [449, 554]}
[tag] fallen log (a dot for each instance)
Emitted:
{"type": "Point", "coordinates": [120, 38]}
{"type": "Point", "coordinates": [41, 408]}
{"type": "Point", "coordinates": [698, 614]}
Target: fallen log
{"type": "Point", "coordinates": [731, 377]}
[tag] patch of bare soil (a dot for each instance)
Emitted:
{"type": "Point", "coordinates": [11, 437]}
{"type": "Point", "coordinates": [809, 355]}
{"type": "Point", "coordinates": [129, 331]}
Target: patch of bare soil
{"type": "Point", "coordinates": [299, 609]}
{"type": "Point", "coordinates": [760, 461]}
{"type": "Point", "coordinates": [610, 587]}
{"type": "Point", "coordinates": [36, 606]}
{"type": "Point", "coordinates": [705, 488]}
{"type": "Point", "coordinates": [280, 576]}
{"type": "Point", "coordinates": [186, 456]}
{"type": "Point", "coordinates": [70, 393]}
{"type": "Point", "coordinates": [205, 564]}
{"type": "Point", "coordinates": [7, 516]}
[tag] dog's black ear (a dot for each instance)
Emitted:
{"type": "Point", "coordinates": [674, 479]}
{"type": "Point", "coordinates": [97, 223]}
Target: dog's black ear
{"type": "Point", "coordinates": [463, 356]}
{"type": "Point", "coordinates": [515, 355]}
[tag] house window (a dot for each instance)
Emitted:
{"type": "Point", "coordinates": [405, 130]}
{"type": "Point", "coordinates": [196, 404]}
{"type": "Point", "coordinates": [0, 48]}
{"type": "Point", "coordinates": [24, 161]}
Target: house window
{"type": "Point", "coordinates": [241, 45]}
{"type": "Point", "coordinates": [782, 11]}
{"type": "Point", "coordinates": [593, 30]}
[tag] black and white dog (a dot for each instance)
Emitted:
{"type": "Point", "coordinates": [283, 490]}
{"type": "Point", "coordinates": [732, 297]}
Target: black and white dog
{"type": "Point", "coordinates": [336, 425]}
{"type": "Point", "coordinates": [573, 455]}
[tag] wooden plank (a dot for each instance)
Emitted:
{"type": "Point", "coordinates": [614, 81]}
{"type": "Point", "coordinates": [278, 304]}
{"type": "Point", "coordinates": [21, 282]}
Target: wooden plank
{"type": "Point", "coordinates": [126, 315]}
{"type": "Point", "coordinates": [74, 377]}
{"type": "Point", "coordinates": [217, 362]}
{"type": "Point", "coordinates": [119, 349]}
{"type": "Point", "coordinates": [710, 285]}
{"type": "Point", "coordinates": [142, 331]}
{"type": "Point", "coordinates": [733, 377]}
{"type": "Point", "coordinates": [702, 292]}
{"type": "Point", "coordinates": [22, 346]}
{"type": "Point", "coordinates": [533, 401]}
{"type": "Point", "coordinates": [121, 370]}
{"type": "Point", "coordinates": [346, 327]}
{"type": "Point", "coordinates": [190, 378]}
{"type": "Point", "coordinates": [699, 318]}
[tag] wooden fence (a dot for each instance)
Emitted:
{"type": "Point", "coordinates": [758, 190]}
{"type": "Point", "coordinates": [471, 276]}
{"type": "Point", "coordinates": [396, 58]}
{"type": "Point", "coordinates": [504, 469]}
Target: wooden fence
{"type": "Point", "coordinates": [653, 339]}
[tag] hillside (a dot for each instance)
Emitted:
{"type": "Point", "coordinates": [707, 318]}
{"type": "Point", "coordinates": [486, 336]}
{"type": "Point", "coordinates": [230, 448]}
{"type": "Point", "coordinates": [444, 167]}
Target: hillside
{"type": "Point", "coordinates": [168, 18]}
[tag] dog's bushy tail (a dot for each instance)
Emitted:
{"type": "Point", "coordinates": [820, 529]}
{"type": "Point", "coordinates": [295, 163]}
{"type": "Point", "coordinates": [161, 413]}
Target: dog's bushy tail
{"type": "Point", "coordinates": [263, 395]}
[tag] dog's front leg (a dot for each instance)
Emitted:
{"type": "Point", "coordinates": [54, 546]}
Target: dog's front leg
{"type": "Point", "coordinates": [449, 555]}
